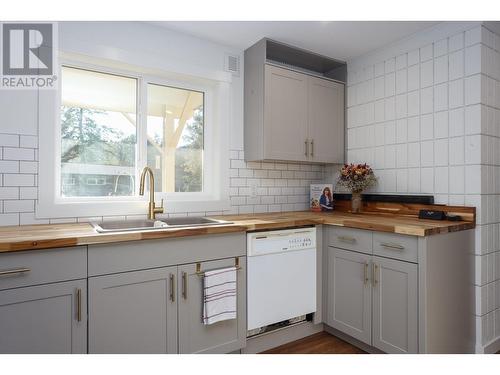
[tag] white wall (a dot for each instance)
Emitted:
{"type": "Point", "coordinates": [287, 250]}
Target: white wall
{"type": "Point", "coordinates": [281, 186]}
{"type": "Point", "coordinates": [424, 112]}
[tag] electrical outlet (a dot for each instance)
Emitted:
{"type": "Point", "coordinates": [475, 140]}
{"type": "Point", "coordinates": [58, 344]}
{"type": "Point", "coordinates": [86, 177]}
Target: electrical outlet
{"type": "Point", "coordinates": [253, 190]}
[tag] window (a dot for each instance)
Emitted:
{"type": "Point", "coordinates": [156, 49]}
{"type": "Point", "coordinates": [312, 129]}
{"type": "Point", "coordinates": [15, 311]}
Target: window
{"type": "Point", "coordinates": [98, 134]}
{"type": "Point", "coordinates": [106, 124]}
{"type": "Point", "coordinates": [175, 138]}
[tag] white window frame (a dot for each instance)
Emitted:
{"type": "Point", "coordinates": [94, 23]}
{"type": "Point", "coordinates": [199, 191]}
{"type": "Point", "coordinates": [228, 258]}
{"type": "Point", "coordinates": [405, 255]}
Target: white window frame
{"type": "Point", "coordinates": [215, 194]}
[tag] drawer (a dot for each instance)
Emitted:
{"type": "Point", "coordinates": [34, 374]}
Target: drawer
{"type": "Point", "coordinates": [396, 246]}
{"type": "Point", "coordinates": [42, 266]}
{"type": "Point", "coordinates": [351, 239]}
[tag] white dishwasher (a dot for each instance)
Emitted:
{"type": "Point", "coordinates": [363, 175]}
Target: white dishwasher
{"type": "Point", "coordinates": [281, 274]}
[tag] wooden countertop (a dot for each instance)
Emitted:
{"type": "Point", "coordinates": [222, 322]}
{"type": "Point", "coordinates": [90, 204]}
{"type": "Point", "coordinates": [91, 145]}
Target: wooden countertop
{"type": "Point", "coordinates": [31, 237]}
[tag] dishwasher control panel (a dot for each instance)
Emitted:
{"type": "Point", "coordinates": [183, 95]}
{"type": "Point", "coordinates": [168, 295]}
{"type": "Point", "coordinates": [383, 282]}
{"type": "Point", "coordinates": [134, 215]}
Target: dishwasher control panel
{"type": "Point", "coordinates": [278, 241]}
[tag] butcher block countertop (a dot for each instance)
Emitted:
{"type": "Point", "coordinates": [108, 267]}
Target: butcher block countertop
{"type": "Point", "coordinates": [384, 218]}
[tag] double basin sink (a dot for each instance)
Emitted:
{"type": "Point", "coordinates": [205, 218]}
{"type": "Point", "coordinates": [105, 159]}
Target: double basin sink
{"type": "Point", "coordinates": [137, 225]}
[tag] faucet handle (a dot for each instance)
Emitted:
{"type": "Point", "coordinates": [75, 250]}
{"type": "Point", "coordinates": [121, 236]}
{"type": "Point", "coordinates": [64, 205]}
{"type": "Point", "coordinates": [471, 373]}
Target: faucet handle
{"type": "Point", "coordinates": [159, 210]}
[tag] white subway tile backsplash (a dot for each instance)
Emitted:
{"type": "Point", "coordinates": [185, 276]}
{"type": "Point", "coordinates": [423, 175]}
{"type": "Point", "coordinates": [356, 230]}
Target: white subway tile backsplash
{"type": "Point", "coordinates": [413, 129]}
{"type": "Point", "coordinates": [473, 60]}
{"type": "Point", "coordinates": [19, 180]}
{"type": "Point", "coordinates": [427, 127]}
{"type": "Point", "coordinates": [390, 84]}
{"type": "Point", "coordinates": [441, 152]}
{"type": "Point", "coordinates": [441, 124]}
{"type": "Point", "coordinates": [456, 93]}
{"type": "Point", "coordinates": [9, 140]}
{"type": "Point", "coordinates": [456, 42]}
{"type": "Point", "coordinates": [427, 154]}
{"type": "Point", "coordinates": [457, 151]}
{"type": "Point", "coordinates": [10, 153]}
{"type": "Point", "coordinates": [426, 74]}
{"type": "Point", "coordinates": [441, 69]}
{"type": "Point", "coordinates": [472, 89]}
{"type": "Point", "coordinates": [427, 180]}
{"type": "Point", "coordinates": [426, 100]}
{"type": "Point", "coordinates": [413, 78]}
{"type": "Point", "coordinates": [456, 65]}
{"type": "Point", "coordinates": [426, 52]}
{"type": "Point", "coordinates": [441, 97]}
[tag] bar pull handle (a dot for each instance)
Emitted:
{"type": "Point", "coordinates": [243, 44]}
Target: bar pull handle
{"type": "Point", "coordinates": [184, 285]}
{"type": "Point", "coordinates": [172, 288]}
{"type": "Point", "coordinates": [365, 269]}
{"type": "Point", "coordinates": [374, 271]}
{"type": "Point", "coordinates": [346, 239]}
{"type": "Point", "coordinates": [79, 305]}
{"type": "Point", "coordinates": [306, 153]}
{"type": "Point", "coordinates": [392, 246]}
{"type": "Point", "coordinates": [14, 271]}
{"type": "Point", "coordinates": [312, 147]}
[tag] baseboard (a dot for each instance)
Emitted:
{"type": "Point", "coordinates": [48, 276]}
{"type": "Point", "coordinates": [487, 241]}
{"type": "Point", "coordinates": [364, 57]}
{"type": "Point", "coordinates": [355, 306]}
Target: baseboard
{"type": "Point", "coordinates": [279, 337]}
{"type": "Point", "coordinates": [351, 340]}
{"type": "Point", "coordinates": [490, 348]}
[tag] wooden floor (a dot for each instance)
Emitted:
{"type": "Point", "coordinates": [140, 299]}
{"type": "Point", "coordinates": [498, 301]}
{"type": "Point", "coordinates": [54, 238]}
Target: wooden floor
{"type": "Point", "coordinates": [319, 343]}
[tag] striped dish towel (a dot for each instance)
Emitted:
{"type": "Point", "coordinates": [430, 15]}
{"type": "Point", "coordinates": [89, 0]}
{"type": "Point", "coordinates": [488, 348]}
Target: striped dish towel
{"type": "Point", "coordinates": [219, 295]}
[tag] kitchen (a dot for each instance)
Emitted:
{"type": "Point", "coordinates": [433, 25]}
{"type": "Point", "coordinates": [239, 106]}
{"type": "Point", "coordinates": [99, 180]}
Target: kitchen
{"type": "Point", "coordinates": [149, 175]}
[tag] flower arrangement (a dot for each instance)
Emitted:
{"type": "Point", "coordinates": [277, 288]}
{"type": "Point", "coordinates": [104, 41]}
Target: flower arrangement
{"type": "Point", "coordinates": [356, 177]}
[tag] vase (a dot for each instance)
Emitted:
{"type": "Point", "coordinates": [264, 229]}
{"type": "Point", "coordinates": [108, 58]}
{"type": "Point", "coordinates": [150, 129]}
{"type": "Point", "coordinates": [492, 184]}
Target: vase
{"type": "Point", "coordinates": [356, 203]}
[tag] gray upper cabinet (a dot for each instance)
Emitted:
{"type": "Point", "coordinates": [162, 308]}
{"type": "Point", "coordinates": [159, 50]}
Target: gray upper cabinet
{"type": "Point", "coordinates": [221, 337]}
{"type": "Point", "coordinates": [291, 115]}
{"type": "Point", "coordinates": [349, 297]}
{"type": "Point", "coordinates": [47, 318]}
{"type": "Point", "coordinates": [285, 116]}
{"type": "Point", "coordinates": [133, 312]}
{"type": "Point", "coordinates": [395, 299]}
{"type": "Point", "coordinates": [326, 120]}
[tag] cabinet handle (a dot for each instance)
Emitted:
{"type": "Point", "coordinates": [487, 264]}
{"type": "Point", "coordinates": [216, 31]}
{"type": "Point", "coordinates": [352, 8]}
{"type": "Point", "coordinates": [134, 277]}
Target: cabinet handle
{"type": "Point", "coordinates": [312, 147]}
{"type": "Point", "coordinates": [374, 271]}
{"type": "Point", "coordinates": [79, 305]}
{"type": "Point", "coordinates": [184, 285]}
{"type": "Point", "coordinates": [172, 288]}
{"type": "Point", "coordinates": [392, 246]}
{"type": "Point", "coordinates": [14, 271]}
{"type": "Point", "coordinates": [346, 239]}
{"type": "Point", "coordinates": [365, 267]}
{"type": "Point", "coordinates": [306, 153]}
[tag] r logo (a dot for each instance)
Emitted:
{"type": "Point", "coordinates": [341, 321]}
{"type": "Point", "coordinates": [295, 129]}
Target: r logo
{"type": "Point", "coordinates": [27, 49]}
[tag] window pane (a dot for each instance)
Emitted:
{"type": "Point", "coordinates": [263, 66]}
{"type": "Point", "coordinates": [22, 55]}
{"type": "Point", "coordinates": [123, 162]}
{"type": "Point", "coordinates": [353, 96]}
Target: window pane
{"type": "Point", "coordinates": [98, 134]}
{"type": "Point", "coordinates": [175, 138]}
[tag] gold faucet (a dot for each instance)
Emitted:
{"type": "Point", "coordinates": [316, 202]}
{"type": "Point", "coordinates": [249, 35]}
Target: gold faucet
{"type": "Point", "coordinates": [152, 209]}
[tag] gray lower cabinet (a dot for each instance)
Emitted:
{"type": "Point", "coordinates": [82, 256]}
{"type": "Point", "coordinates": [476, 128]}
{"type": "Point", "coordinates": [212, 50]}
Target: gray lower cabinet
{"type": "Point", "coordinates": [220, 337]}
{"type": "Point", "coordinates": [395, 310]}
{"type": "Point", "coordinates": [133, 312]}
{"type": "Point", "coordinates": [48, 318]}
{"type": "Point", "coordinates": [349, 297]}
{"type": "Point", "coordinates": [371, 298]}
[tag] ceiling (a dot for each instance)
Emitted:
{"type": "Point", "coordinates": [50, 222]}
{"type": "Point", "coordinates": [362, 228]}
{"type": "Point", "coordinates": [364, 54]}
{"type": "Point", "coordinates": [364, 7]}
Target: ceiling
{"type": "Point", "coordinates": [342, 40]}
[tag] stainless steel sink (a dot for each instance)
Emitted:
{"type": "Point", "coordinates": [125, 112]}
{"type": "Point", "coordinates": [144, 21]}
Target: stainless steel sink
{"type": "Point", "coordinates": [192, 221]}
{"type": "Point", "coordinates": [127, 225]}
{"type": "Point", "coordinates": [138, 225]}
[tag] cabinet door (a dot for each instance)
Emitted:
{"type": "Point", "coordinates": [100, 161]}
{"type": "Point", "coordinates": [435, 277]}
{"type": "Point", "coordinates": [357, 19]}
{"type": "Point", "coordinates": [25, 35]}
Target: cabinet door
{"type": "Point", "coordinates": [285, 114]}
{"type": "Point", "coordinates": [326, 120]}
{"type": "Point", "coordinates": [221, 337]}
{"type": "Point", "coordinates": [133, 312]}
{"type": "Point", "coordinates": [395, 306]}
{"type": "Point", "coordinates": [44, 319]}
{"type": "Point", "coordinates": [349, 293]}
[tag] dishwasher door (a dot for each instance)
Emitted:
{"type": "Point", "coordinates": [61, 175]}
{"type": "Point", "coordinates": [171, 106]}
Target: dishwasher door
{"type": "Point", "coordinates": [280, 286]}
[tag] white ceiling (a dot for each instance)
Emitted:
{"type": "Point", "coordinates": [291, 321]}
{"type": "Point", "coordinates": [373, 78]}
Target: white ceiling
{"type": "Point", "coordinates": [342, 40]}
